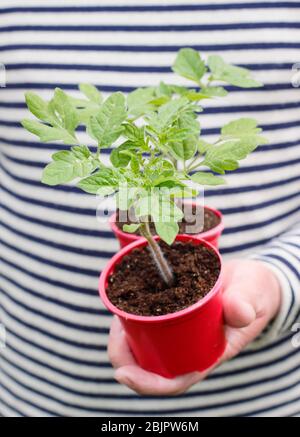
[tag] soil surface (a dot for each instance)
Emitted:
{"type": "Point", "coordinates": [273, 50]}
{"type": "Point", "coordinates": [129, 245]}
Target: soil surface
{"type": "Point", "coordinates": [211, 220]}
{"type": "Point", "coordinates": [137, 288]}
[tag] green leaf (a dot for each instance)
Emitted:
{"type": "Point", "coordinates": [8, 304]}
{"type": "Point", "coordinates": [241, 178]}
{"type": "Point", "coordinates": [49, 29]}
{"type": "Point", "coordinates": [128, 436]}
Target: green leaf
{"type": "Point", "coordinates": [81, 152]}
{"type": "Point", "coordinates": [226, 156]}
{"type": "Point", "coordinates": [240, 127]}
{"type": "Point", "coordinates": [207, 179]}
{"type": "Point", "coordinates": [189, 64]}
{"type": "Point", "coordinates": [103, 182]}
{"type": "Point", "coordinates": [185, 149]}
{"type": "Point", "coordinates": [48, 133]}
{"type": "Point", "coordinates": [58, 172]}
{"type": "Point", "coordinates": [119, 159]}
{"type": "Point", "coordinates": [63, 108]}
{"type": "Point", "coordinates": [237, 76]}
{"type": "Point", "coordinates": [91, 92]}
{"type": "Point", "coordinates": [167, 114]}
{"type": "Point", "coordinates": [106, 126]}
{"type": "Point", "coordinates": [38, 107]}
{"type": "Point", "coordinates": [139, 101]}
{"type": "Point", "coordinates": [131, 228]}
{"type": "Point", "coordinates": [68, 165]}
{"type": "Point", "coordinates": [167, 231]}
{"type": "Point", "coordinates": [244, 130]}
{"type": "Point", "coordinates": [203, 146]}
{"type": "Point", "coordinates": [214, 91]}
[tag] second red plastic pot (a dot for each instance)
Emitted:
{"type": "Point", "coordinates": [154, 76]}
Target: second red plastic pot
{"type": "Point", "coordinates": [173, 344]}
{"type": "Point", "coordinates": [212, 235]}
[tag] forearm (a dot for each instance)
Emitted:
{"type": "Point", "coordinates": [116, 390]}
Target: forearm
{"type": "Point", "coordinates": [282, 256]}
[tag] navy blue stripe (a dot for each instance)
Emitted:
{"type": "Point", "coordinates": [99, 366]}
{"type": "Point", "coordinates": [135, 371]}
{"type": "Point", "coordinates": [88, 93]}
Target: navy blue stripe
{"type": "Point", "coordinates": [60, 303]}
{"type": "Point", "coordinates": [56, 146]}
{"type": "Point", "coordinates": [269, 393]}
{"type": "Point", "coordinates": [128, 89]}
{"type": "Point", "coordinates": [152, 48]}
{"type": "Point", "coordinates": [66, 286]}
{"type": "Point", "coordinates": [59, 246]}
{"type": "Point", "coordinates": [47, 262]}
{"type": "Point", "coordinates": [68, 188]}
{"type": "Point", "coordinates": [210, 131]}
{"type": "Point", "coordinates": [249, 226]}
{"type": "Point", "coordinates": [64, 340]}
{"type": "Point", "coordinates": [76, 376]}
{"type": "Point", "coordinates": [104, 254]}
{"type": "Point", "coordinates": [265, 410]}
{"type": "Point", "coordinates": [150, 28]}
{"type": "Point", "coordinates": [65, 228]}
{"type": "Point", "coordinates": [286, 262]}
{"type": "Point", "coordinates": [249, 245]}
{"type": "Point", "coordinates": [266, 257]}
{"type": "Point", "coordinates": [59, 321]}
{"type": "Point", "coordinates": [153, 8]}
{"type": "Point", "coordinates": [219, 375]}
{"type": "Point", "coordinates": [69, 358]}
{"type": "Point", "coordinates": [130, 68]}
{"type": "Point", "coordinates": [207, 111]}
{"type": "Point", "coordinates": [100, 395]}
{"type": "Point", "coordinates": [216, 192]}
{"type": "Point", "coordinates": [91, 211]}
{"type": "Point", "coordinates": [14, 394]}
{"type": "Point", "coordinates": [3, 402]}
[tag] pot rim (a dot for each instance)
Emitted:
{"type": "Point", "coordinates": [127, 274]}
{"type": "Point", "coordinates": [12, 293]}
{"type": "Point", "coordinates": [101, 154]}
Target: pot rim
{"type": "Point", "coordinates": [208, 234]}
{"type": "Point", "coordinates": [141, 242]}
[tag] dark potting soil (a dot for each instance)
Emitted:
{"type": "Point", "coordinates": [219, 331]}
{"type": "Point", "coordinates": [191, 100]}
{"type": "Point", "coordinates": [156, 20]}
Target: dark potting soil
{"type": "Point", "coordinates": [211, 220]}
{"type": "Point", "coordinates": [137, 288]}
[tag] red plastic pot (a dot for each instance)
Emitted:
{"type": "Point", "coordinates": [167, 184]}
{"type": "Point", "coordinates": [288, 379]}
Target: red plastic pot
{"type": "Point", "coordinates": [173, 344]}
{"type": "Point", "coordinates": [212, 235]}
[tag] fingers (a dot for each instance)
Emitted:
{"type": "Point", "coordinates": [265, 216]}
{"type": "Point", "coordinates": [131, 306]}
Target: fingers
{"type": "Point", "coordinates": [139, 380]}
{"type": "Point", "coordinates": [148, 383]}
{"type": "Point", "coordinates": [118, 350]}
{"type": "Point", "coordinates": [239, 307]}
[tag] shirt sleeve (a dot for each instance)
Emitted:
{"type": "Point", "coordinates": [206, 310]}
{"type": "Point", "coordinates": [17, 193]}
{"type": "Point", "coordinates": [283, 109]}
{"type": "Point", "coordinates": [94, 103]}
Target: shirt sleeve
{"type": "Point", "coordinates": [282, 256]}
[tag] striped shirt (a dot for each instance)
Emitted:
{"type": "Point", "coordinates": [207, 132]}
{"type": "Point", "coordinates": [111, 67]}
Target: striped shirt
{"type": "Point", "coordinates": [52, 247]}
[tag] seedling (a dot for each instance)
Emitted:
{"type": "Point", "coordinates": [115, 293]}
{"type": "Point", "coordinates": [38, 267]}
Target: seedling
{"type": "Point", "coordinates": [154, 136]}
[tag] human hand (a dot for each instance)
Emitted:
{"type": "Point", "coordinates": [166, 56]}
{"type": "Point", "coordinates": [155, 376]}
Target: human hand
{"type": "Point", "coordinates": [251, 300]}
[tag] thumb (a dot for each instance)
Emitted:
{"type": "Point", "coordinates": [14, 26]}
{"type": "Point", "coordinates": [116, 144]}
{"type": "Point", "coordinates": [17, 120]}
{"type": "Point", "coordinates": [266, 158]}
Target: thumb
{"type": "Point", "coordinates": [240, 306]}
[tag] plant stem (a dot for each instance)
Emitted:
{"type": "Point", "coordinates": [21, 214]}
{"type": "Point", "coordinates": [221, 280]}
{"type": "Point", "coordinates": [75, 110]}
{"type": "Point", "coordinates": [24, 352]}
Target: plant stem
{"type": "Point", "coordinates": [157, 255]}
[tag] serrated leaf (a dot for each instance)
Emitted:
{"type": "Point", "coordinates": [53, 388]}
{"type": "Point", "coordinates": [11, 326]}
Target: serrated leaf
{"type": "Point", "coordinates": [203, 146]}
{"type": "Point", "coordinates": [119, 159]}
{"type": "Point", "coordinates": [240, 127]}
{"type": "Point", "coordinates": [167, 231]}
{"type": "Point", "coordinates": [58, 172]}
{"type": "Point", "coordinates": [103, 181]}
{"type": "Point", "coordinates": [214, 91]}
{"type": "Point", "coordinates": [226, 156]}
{"type": "Point", "coordinates": [91, 92]}
{"type": "Point", "coordinates": [189, 64]}
{"type": "Point", "coordinates": [38, 107]}
{"type": "Point", "coordinates": [63, 108]}
{"type": "Point", "coordinates": [207, 179]}
{"type": "Point", "coordinates": [139, 101]}
{"type": "Point", "coordinates": [106, 126]}
{"type": "Point", "coordinates": [231, 74]}
{"type": "Point", "coordinates": [131, 228]}
{"type": "Point", "coordinates": [48, 133]}
{"type": "Point", "coordinates": [185, 149]}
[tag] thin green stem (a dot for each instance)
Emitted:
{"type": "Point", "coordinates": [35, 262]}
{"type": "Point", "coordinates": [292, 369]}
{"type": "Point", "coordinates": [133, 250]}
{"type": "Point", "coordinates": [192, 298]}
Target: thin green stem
{"type": "Point", "coordinates": [157, 255]}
